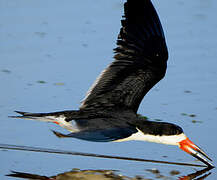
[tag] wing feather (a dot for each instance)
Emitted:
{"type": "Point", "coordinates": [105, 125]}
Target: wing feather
{"type": "Point", "coordinates": [140, 60]}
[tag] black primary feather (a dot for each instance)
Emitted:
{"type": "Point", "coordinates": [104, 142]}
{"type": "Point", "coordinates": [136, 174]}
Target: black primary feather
{"type": "Point", "coordinates": [140, 61]}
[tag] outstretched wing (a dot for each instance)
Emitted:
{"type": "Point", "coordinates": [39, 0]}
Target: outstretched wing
{"type": "Point", "coordinates": [140, 60]}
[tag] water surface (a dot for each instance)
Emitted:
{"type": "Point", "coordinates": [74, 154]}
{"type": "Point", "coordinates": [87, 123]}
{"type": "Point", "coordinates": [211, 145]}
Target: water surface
{"type": "Point", "coordinates": [52, 51]}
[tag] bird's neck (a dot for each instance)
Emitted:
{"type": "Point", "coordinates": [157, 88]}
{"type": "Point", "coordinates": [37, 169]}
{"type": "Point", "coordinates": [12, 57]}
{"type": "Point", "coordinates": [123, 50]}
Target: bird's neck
{"type": "Point", "coordinates": [163, 139]}
{"type": "Point", "coordinates": [157, 132]}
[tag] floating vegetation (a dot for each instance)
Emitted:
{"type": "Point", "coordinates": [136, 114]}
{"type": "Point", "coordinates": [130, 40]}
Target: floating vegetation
{"type": "Point", "coordinates": [174, 172]}
{"type": "Point", "coordinates": [192, 116]}
{"type": "Point", "coordinates": [59, 84]}
{"type": "Point", "coordinates": [165, 156]}
{"type": "Point", "coordinates": [153, 171]}
{"type": "Point", "coordinates": [196, 121]}
{"type": "Point", "coordinates": [157, 173]}
{"type": "Point", "coordinates": [189, 115]}
{"type": "Point", "coordinates": [41, 82]}
{"type": "Point", "coordinates": [187, 91]}
{"type": "Point", "coordinates": [6, 71]}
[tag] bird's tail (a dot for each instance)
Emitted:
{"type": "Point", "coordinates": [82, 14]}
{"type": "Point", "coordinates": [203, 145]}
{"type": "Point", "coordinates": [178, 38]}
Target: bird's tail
{"type": "Point", "coordinates": [60, 118]}
{"type": "Point", "coordinates": [46, 117]}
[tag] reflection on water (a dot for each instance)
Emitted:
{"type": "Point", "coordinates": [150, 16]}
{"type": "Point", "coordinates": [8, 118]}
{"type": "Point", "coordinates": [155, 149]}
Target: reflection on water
{"type": "Point", "coordinates": [77, 174]}
{"type": "Point", "coordinates": [201, 173]}
{"type": "Point", "coordinates": [57, 151]}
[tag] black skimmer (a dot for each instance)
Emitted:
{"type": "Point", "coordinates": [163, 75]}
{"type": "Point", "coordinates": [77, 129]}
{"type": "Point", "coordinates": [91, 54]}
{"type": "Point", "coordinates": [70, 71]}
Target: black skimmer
{"type": "Point", "coordinates": [109, 110]}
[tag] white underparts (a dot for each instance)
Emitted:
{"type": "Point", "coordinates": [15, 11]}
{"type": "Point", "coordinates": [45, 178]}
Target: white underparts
{"type": "Point", "coordinates": [140, 136]}
{"type": "Point", "coordinates": [70, 126]}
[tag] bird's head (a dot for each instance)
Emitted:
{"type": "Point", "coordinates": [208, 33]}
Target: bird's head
{"type": "Point", "coordinates": [171, 134]}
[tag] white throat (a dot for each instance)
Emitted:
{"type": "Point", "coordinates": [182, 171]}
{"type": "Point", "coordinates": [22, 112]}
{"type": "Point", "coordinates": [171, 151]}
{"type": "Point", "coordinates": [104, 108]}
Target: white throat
{"type": "Point", "coordinates": [165, 139]}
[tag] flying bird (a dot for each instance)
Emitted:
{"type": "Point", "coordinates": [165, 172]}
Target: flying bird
{"type": "Point", "coordinates": [109, 110]}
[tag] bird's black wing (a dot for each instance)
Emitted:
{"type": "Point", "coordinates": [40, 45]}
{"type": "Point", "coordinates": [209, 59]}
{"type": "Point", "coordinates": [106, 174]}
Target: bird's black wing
{"type": "Point", "coordinates": [140, 60]}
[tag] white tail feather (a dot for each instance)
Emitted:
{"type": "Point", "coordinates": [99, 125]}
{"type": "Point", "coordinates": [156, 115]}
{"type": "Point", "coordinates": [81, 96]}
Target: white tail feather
{"type": "Point", "coordinates": [60, 120]}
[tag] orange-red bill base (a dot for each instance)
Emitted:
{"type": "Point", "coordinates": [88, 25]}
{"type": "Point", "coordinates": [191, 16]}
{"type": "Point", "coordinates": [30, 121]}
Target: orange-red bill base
{"type": "Point", "coordinates": [189, 147]}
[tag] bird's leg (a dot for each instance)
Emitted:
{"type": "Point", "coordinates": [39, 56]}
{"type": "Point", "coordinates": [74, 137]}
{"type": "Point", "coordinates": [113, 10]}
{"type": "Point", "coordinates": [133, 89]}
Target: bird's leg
{"type": "Point", "coordinates": [60, 135]}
